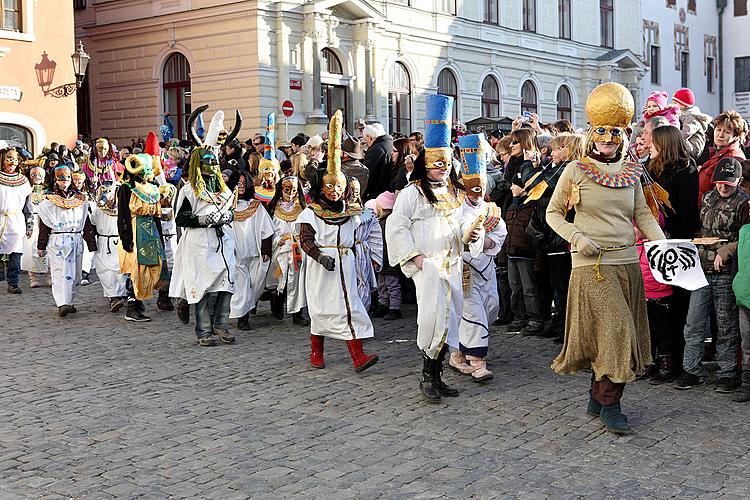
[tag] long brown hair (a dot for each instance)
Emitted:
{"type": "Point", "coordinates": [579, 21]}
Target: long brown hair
{"type": "Point", "coordinates": [526, 137]}
{"type": "Point", "coordinates": [672, 148]}
{"type": "Point", "coordinates": [403, 148]}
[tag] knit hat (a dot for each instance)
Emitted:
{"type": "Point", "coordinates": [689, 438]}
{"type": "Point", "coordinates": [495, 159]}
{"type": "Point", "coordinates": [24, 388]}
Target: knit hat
{"type": "Point", "coordinates": [659, 97]}
{"type": "Point", "coordinates": [684, 97]}
{"type": "Point", "coordinates": [386, 200]}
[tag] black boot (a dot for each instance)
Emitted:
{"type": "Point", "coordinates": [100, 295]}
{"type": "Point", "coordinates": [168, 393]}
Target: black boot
{"type": "Point", "coordinates": [613, 419]}
{"type": "Point", "coordinates": [427, 385]}
{"type": "Point", "coordinates": [299, 319]}
{"type": "Point", "coordinates": [164, 303]}
{"type": "Point", "coordinates": [132, 313]}
{"type": "Point", "coordinates": [742, 394]}
{"type": "Point", "coordinates": [183, 311]}
{"type": "Point", "coordinates": [141, 306]}
{"type": "Point", "coordinates": [277, 305]}
{"type": "Point", "coordinates": [444, 389]}
{"type": "Point", "coordinates": [243, 323]}
{"type": "Point", "coordinates": [665, 370]}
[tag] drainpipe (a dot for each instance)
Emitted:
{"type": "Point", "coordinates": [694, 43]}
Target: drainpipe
{"type": "Point", "coordinates": [721, 5]}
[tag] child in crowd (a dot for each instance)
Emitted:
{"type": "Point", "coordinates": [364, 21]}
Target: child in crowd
{"type": "Point", "coordinates": [656, 105]}
{"type": "Point", "coordinates": [724, 210]}
{"type": "Point", "coordinates": [368, 246]}
{"type": "Point", "coordinates": [389, 289]}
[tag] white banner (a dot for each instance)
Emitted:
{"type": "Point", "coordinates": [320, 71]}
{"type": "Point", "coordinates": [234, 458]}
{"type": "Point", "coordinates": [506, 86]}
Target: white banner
{"type": "Point", "coordinates": [676, 263]}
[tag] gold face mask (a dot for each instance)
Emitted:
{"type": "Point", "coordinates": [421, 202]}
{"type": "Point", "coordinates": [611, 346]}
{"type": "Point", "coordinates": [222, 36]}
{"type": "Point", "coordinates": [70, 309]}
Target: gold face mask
{"type": "Point", "coordinates": [334, 186]}
{"type": "Point", "coordinates": [438, 159]}
{"type": "Point", "coordinates": [289, 189]}
{"type": "Point", "coordinates": [10, 162]}
{"type": "Point", "coordinates": [37, 175]}
{"type": "Point", "coordinates": [607, 133]}
{"type": "Point", "coordinates": [354, 190]}
{"type": "Point", "coordinates": [102, 147]}
{"type": "Point", "coordinates": [475, 187]}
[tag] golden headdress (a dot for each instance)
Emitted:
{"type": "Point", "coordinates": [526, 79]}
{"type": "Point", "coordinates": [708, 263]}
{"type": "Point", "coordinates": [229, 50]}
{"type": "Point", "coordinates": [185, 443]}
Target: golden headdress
{"type": "Point", "coordinates": [610, 104]}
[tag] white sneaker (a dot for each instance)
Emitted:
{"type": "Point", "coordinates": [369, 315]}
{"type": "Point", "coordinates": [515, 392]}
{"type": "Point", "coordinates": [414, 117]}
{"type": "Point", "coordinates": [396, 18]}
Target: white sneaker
{"type": "Point", "coordinates": [458, 362]}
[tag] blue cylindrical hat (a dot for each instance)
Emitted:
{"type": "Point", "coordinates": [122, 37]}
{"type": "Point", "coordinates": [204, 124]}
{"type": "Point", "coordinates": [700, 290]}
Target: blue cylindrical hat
{"type": "Point", "coordinates": [438, 119]}
{"type": "Point", "coordinates": [268, 148]}
{"type": "Point", "coordinates": [473, 155]}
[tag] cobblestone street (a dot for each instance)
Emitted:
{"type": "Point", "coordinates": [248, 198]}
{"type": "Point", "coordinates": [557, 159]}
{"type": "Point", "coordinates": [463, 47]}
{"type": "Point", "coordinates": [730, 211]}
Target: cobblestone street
{"type": "Point", "coordinates": [96, 407]}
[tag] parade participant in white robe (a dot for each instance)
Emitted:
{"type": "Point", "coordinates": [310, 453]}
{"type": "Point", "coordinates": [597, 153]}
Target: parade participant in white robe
{"type": "Point", "coordinates": [253, 233]}
{"type": "Point", "coordinates": [327, 229]}
{"type": "Point", "coordinates": [288, 258]}
{"type": "Point", "coordinates": [64, 225]}
{"type": "Point", "coordinates": [36, 266]}
{"type": "Point", "coordinates": [106, 258]}
{"type": "Point", "coordinates": [16, 221]}
{"type": "Point", "coordinates": [481, 300]}
{"type": "Point", "coordinates": [424, 237]}
{"type": "Point", "coordinates": [205, 264]}
{"type": "Point", "coordinates": [368, 247]}
{"type": "Point", "coordinates": [80, 185]}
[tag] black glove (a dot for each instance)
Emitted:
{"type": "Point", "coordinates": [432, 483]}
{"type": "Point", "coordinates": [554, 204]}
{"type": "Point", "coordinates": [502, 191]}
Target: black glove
{"type": "Point", "coordinates": [128, 247]}
{"type": "Point", "coordinates": [327, 261]}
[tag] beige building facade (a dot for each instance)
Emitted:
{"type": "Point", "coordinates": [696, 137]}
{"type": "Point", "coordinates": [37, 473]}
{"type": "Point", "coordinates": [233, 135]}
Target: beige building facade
{"type": "Point", "coordinates": [376, 60]}
{"type": "Point", "coordinates": [31, 30]}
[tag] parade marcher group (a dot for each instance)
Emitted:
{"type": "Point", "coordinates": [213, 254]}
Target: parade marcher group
{"type": "Point", "coordinates": [543, 231]}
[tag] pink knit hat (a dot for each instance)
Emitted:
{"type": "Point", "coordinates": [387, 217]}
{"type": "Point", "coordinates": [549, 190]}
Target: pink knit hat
{"type": "Point", "coordinates": [684, 97]}
{"type": "Point", "coordinates": [659, 97]}
{"type": "Point", "coordinates": [386, 200]}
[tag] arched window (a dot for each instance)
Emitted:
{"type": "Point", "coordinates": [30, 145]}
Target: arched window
{"type": "Point", "coordinates": [528, 97]}
{"type": "Point", "coordinates": [331, 63]}
{"type": "Point", "coordinates": [564, 104]}
{"type": "Point", "coordinates": [399, 100]}
{"type": "Point", "coordinates": [334, 92]}
{"type": "Point", "coordinates": [176, 92]}
{"type": "Point", "coordinates": [447, 85]}
{"type": "Point", "coordinates": [490, 98]}
{"type": "Point", "coordinates": [17, 136]}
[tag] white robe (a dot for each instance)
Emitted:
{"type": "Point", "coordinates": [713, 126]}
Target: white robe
{"type": "Point", "coordinates": [30, 261]}
{"type": "Point", "coordinates": [106, 258]}
{"type": "Point", "coordinates": [416, 227]}
{"type": "Point", "coordinates": [283, 276]}
{"type": "Point", "coordinates": [368, 246]}
{"type": "Point", "coordinates": [12, 220]}
{"type": "Point", "coordinates": [481, 303]}
{"type": "Point", "coordinates": [203, 262]}
{"type": "Point", "coordinates": [336, 311]}
{"type": "Point", "coordinates": [251, 270]}
{"type": "Point", "coordinates": [64, 248]}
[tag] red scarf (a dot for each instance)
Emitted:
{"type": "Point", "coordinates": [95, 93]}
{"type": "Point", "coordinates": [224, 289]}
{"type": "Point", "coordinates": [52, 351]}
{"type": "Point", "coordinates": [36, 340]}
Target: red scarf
{"type": "Point", "coordinates": [706, 172]}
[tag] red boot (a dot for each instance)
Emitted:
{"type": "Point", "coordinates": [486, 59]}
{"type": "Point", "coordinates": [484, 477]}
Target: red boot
{"type": "Point", "coordinates": [316, 353]}
{"type": "Point", "coordinates": [361, 360]}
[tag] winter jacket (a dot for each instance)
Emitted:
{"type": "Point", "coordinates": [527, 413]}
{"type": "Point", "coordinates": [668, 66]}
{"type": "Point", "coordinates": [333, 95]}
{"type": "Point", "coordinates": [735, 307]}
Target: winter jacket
{"type": "Point", "coordinates": [681, 182]}
{"type": "Point", "coordinates": [693, 124]}
{"type": "Point", "coordinates": [387, 267]}
{"type": "Point", "coordinates": [502, 195]}
{"type": "Point", "coordinates": [741, 283]}
{"type": "Point", "coordinates": [542, 237]}
{"type": "Point", "coordinates": [517, 218]}
{"type": "Point", "coordinates": [723, 218]}
{"type": "Point", "coordinates": [378, 160]}
{"type": "Point", "coordinates": [353, 168]}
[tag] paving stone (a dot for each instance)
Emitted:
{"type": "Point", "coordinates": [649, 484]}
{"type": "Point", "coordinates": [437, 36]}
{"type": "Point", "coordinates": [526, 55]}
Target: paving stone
{"type": "Point", "coordinates": [95, 407]}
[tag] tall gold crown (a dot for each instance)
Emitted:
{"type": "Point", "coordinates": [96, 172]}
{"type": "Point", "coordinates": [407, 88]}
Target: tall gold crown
{"type": "Point", "coordinates": [610, 104]}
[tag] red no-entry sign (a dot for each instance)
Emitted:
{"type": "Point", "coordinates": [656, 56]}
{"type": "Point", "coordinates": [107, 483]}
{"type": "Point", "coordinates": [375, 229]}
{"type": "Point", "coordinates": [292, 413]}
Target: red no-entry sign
{"type": "Point", "coordinates": [287, 107]}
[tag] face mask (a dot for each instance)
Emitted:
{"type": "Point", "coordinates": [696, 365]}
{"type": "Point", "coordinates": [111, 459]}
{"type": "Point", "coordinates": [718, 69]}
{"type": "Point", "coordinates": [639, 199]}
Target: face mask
{"type": "Point", "coordinates": [10, 164]}
{"type": "Point", "coordinates": [289, 190]}
{"type": "Point", "coordinates": [608, 134]}
{"type": "Point", "coordinates": [334, 186]}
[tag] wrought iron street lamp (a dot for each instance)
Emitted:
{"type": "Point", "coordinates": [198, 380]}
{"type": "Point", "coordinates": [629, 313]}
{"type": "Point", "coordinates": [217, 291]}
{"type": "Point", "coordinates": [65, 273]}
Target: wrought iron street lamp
{"type": "Point", "coordinates": [45, 72]}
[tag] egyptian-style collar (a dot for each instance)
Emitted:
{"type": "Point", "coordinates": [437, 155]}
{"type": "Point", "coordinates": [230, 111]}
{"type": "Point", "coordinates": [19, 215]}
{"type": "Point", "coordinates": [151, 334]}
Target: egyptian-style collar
{"type": "Point", "coordinates": [492, 216]}
{"type": "Point", "coordinates": [290, 216]}
{"type": "Point", "coordinates": [627, 176]}
{"type": "Point", "coordinates": [13, 180]}
{"type": "Point", "coordinates": [145, 191]}
{"type": "Point", "coordinates": [448, 201]}
{"type": "Point", "coordinates": [67, 203]}
{"type": "Point", "coordinates": [252, 207]}
{"type": "Point", "coordinates": [332, 215]}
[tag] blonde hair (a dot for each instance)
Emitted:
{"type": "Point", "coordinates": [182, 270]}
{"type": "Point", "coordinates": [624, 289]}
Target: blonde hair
{"type": "Point", "coordinates": [253, 163]}
{"type": "Point", "coordinates": [573, 143]}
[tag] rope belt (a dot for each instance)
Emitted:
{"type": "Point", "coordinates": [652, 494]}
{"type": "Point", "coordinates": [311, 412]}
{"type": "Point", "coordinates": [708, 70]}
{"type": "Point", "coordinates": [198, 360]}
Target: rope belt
{"type": "Point", "coordinates": [109, 237]}
{"type": "Point", "coordinates": [5, 222]}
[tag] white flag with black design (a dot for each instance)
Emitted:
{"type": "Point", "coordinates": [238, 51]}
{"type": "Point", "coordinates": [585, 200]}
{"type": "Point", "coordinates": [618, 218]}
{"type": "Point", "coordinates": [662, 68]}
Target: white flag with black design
{"type": "Point", "coordinates": [676, 263]}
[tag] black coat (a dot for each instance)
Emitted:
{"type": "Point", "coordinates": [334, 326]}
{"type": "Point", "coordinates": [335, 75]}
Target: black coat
{"type": "Point", "coordinates": [501, 194]}
{"type": "Point", "coordinates": [378, 160]}
{"type": "Point", "coordinates": [681, 182]}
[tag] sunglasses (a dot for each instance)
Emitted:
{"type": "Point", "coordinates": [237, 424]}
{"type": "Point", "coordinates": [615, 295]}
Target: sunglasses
{"type": "Point", "coordinates": [616, 132]}
{"type": "Point", "coordinates": [513, 143]}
